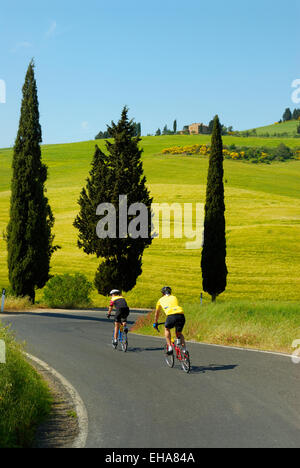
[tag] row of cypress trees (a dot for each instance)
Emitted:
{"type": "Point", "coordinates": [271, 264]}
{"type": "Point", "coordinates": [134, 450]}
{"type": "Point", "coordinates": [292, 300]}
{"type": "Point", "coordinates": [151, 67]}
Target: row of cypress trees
{"type": "Point", "coordinates": [30, 240]}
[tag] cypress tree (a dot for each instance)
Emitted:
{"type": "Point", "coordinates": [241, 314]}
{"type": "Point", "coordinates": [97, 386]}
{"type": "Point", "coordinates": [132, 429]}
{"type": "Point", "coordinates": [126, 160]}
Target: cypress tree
{"type": "Point", "coordinates": [97, 191]}
{"type": "Point", "coordinates": [29, 237]}
{"type": "Point", "coordinates": [287, 115]}
{"type": "Point", "coordinates": [117, 173]}
{"type": "Point", "coordinates": [175, 127]}
{"type": "Point", "coordinates": [213, 261]}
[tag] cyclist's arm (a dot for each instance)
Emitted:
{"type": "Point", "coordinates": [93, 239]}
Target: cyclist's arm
{"type": "Point", "coordinates": [157, 312]}
{"type": "Point", "coordinates": [110, 308]}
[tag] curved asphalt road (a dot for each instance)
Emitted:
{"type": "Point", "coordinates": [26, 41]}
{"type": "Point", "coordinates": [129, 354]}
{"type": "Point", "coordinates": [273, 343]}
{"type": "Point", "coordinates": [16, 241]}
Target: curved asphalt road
{"type": "Point", "coordinates": [231, 398]}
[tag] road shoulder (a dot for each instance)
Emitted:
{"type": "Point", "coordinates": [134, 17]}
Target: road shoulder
{"type": "Point", "coordinates": [67, 425]}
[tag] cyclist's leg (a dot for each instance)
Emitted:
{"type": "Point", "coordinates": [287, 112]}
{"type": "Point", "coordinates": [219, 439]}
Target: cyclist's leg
{"type": "Point", "coordinates": [125, 326]}
{"type": "Point", "coordinates": [124, 316]}
{"type": "Point", "coordinates": [125, 321]}
{"type": "Point", "coordinates": [168, 336]}
{"type": "Point", "coordinates": [117, 327]}
{"type": "Point", "coordinates": [179, 327]}
{"type": "Point", "coordinates": [169, 324]}
{"type": "Point", "coordinates": [182, 340]}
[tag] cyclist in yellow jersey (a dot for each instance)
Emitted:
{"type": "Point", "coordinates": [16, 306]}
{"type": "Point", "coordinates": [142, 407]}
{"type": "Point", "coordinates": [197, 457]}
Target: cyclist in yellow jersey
{"type": "Point", "coordinates": [175, 316]}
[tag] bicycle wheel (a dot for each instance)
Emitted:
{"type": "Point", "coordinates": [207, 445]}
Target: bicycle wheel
{"type": "Point", "coordinates": [185, 361]}
{"type": "Point", "coordinates": [169, 358]}
{"type": "Point", "coordinates": [123, 341]}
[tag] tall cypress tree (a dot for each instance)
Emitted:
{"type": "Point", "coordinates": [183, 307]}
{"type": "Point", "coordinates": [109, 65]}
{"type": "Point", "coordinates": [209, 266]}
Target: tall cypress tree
{"type": "Point", "coordinates": [29, 237]}
{"type": "Point", "coordinates": [98, 190]}
{"type": "Point", "coordinates": [175, 127]}
{"type": "Point", "coordinates": [117, 173]}
{"type": "Point", "coordinates": [213, 261]}
{"type": "Point", "coordinates": [287, 115]}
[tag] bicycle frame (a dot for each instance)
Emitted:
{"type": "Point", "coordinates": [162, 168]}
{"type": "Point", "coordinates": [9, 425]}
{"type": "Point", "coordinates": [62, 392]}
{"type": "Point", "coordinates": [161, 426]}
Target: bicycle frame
{"type": "Point", "coordinates": [184, 359]}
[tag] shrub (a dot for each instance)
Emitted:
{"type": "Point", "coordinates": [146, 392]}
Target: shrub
{"type": "Point", "coordinates": [68, 291]}
{"type": "Point", "coordinates": [283, 152]}
{"type": "Point", "coordinates": [244, 153]}
{"type": "Point", "coordinates": [17, 303]}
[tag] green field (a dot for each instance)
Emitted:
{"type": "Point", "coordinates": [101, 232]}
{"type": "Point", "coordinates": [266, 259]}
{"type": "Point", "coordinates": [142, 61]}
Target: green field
{"type": "Point", "coordinates": [266, 325]}
{"type": "Point", "coordinates": [289, 128]}
{"type": "Point", "coordinates": [262, 216]}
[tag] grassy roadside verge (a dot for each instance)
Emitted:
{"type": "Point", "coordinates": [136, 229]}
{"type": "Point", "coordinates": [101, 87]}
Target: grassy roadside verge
{"type": "Point", "coordinates": [260, 325]}
{"type": "Point", "coordinates": [25, 399]}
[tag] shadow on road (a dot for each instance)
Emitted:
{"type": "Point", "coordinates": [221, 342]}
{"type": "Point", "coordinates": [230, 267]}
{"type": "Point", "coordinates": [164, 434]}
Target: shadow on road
{"type": "Point", "coordinates": [212, 368]}
{"type": "Point", "coordinates": [73, 317]}
{"type": "Point", "coordinates": [141, 350]}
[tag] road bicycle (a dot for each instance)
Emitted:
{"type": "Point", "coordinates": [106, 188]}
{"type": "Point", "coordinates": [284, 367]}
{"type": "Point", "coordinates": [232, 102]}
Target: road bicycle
{"type": "Point", "coordinates": [122, 337]}
{"type": "Point", "coordinates": [182, 355]}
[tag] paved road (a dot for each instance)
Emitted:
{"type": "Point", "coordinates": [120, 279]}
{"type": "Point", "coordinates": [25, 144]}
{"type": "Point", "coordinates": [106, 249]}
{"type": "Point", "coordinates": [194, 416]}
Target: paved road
{"type": "Point", "coordinates": [231, 398]}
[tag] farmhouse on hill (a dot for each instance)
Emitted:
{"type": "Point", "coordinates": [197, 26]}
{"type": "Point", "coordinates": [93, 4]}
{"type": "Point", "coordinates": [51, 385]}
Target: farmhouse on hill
{"type": "Point", "coordinates": [195, 129]}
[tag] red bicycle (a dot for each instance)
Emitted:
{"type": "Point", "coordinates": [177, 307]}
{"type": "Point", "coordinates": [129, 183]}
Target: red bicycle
{"type": "Point", "coordinates": [182, 355]}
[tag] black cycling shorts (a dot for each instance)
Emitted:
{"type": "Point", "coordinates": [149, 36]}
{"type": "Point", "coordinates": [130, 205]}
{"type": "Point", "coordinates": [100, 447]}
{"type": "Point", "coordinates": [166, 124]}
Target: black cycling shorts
{"type": "Point", "coordinates": [175, 320]}
{"type": "Point", "coordinates": [121, 314]}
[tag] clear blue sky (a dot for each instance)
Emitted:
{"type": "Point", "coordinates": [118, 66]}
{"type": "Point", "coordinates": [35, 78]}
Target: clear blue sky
{"type": "Point", "coordinates": [165, 59]}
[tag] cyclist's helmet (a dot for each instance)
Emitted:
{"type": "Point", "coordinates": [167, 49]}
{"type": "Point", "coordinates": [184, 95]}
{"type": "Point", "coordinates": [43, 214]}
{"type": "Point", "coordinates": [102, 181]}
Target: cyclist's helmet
{"type": "Point", "coordinates": [114, 291]}
{"type": "Point", "coordinates": [166, 290]}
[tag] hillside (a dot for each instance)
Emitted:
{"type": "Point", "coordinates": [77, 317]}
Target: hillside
{"type": "Point", "coordinates": [288, 129]}
{"type": "Point", "coordinates": [262, 215]}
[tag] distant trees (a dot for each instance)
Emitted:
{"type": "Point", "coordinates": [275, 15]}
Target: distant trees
{"type": "Point", "coordinates": [211, 126]}
{"type": "Point", "coordinates": [103, 135]}
{"type": "Point", "coordinates": [137, 130]}
{"type": "Point", "coordinates": [287, 115]}
{"type": "Point", "coordinates": [213, 260]}
{"type": "Point", "coordinates": [166, 130]}
{"type": "Point", "coordinates": [296, 114]}
{"type": "Point", "coordinates": [224, 129]}
{"type": "Point", "coordinates": [119, 173]}
{"type": "Point", "coordinates": [29, 231]}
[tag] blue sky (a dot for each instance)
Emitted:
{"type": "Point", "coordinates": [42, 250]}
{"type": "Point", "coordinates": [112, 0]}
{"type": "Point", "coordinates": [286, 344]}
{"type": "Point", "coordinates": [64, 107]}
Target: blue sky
{"type": "Point", "coordinates": [164, 59]}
